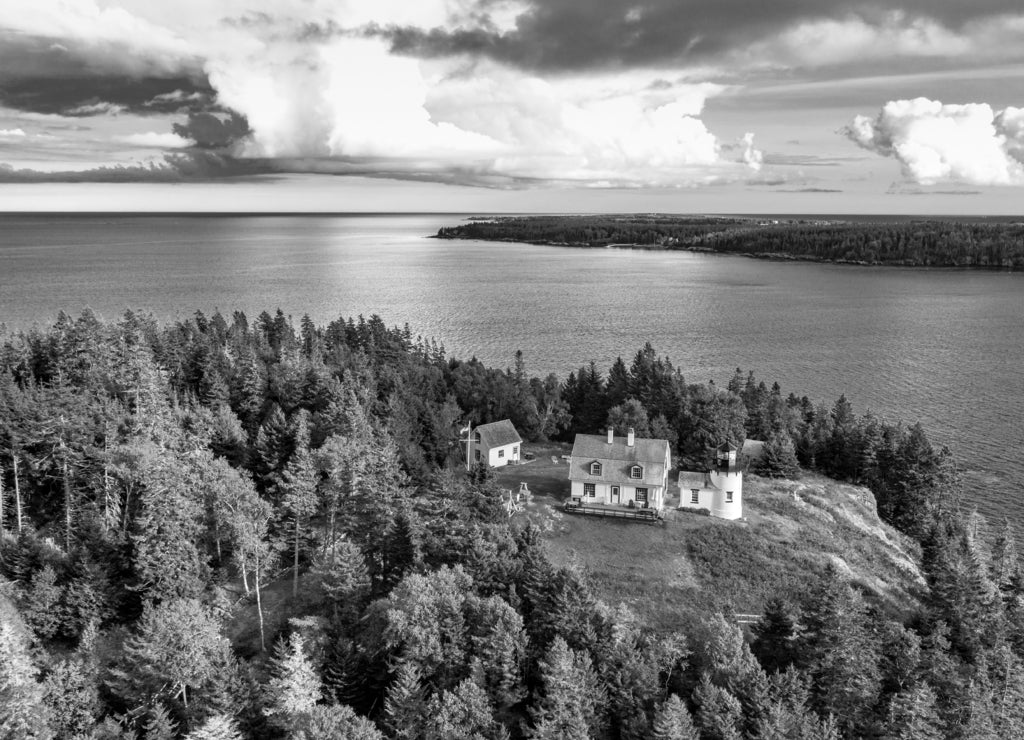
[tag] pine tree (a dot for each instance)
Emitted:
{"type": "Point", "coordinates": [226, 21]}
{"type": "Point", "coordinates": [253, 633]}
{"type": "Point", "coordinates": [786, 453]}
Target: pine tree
{"type": "Point", "coordinates": [160, 725]}
{"type": "Point", "coordinates": [779, 458]}
{"type": "Point", "coordinates": [775, 635]}
{"type": "Point", "coordinates": [913, 716]}
{"type": "Point", "coordinates": [294, 686]}
{"type": "Point", "coordinates": [298, 491]}
{"type": "Point", "coordinates": [23, 713]}
{"type": "Point", "coordinates": [719, 713]}
{"type": "Point", "coordinates": [404, 704]}
{"type": "Point", "coordinates": [569, 708]}
{"type": "Point", "coordinates": [72, 694]}
{"type": "Point", "coordinates": [672, 721]}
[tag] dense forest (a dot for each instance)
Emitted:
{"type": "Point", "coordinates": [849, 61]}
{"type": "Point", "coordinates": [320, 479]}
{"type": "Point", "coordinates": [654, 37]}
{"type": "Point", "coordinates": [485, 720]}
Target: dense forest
{"type": "Point", "coordinates": [910, 243]}
{"type": "Point", "coordinates": [217, 529]}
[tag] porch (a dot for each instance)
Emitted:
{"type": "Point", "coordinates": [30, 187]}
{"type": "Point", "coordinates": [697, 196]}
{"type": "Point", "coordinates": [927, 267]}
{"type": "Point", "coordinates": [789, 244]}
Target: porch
{"type": "Point", "coordinates": [644, 514]}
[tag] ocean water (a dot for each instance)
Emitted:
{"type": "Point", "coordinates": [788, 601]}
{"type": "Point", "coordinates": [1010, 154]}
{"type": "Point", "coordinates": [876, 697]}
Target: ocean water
{"type": "Point", "coordinates": [941, 346]}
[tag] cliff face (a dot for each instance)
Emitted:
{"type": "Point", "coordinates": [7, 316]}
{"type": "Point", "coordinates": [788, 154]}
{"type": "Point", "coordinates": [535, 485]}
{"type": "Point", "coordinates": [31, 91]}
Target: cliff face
{"type": "Point", "coordinates": [694, 565]}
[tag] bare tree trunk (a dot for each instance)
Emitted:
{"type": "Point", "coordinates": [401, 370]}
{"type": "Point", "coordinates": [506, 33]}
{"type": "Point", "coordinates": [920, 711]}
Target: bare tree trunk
{"type": "Point", "coordinates": [67, 488]}
{"type": "Point", "coordinates": [295, 574]}
{"type": "Point", "coordinates": [17, 491]}
{"type": "Point", "coordinates": [1, 502]}
{"type": "Point", "coordinates": [245, 579]}
{"type": "Point", "coordinates": [259, 603]}
{"type": "Point", "coordinates": [67, 506]}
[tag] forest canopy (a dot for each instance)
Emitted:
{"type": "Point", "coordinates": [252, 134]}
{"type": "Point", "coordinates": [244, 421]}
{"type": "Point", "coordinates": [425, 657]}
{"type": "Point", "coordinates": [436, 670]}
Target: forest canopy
{"type": "Point", "coordinates": [222, 529]}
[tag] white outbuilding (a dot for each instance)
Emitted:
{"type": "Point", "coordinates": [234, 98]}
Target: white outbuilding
{"type": "Point", "coordinates": [495, 444]}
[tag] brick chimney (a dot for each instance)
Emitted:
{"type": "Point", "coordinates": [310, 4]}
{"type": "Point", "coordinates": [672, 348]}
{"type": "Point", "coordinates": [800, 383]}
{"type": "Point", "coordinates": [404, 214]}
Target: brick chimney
{"type": "Point", "coordinates": [611, 435]}
{"type": "Point", "coordinates": [631, 437]}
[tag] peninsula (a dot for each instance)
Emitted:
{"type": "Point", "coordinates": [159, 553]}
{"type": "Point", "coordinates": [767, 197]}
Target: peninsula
{"type": "Point", "coordinates": [977, 244]}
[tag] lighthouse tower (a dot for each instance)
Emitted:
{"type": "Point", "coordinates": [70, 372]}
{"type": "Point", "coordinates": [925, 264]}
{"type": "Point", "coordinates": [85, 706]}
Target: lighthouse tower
{"type": "Point", "coordinates": [726, 479]}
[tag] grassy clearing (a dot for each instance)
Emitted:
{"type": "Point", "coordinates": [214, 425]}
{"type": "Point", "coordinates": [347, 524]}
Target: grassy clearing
{"type": "Point", "coordinates": [696, 564]}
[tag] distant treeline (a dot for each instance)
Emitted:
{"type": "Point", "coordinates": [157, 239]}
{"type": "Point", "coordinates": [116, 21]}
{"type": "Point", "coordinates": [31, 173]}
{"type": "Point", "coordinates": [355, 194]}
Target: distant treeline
{"type": "Point", "coordinates": [912, 243]}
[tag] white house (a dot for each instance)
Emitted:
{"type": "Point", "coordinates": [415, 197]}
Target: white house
{"type": "Point", "coordinates": [495, 444]}
{"type": "Point", "coordinates": [621, 471]}
{"type": "Point", "coordinates": [720, 490]}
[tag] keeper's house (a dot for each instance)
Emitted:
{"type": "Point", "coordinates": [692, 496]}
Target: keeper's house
{"type": "Point", "coordinates": [619, 471]}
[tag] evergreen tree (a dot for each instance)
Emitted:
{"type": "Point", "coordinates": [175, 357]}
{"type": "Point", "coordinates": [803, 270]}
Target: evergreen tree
{"type": "Point", "coordinates": [23, 713]}
{"type": "Point", "coordinates": [913, 716]}
{"type": "Point", "coordinates": [719, 713]}
{"type": "Point", "coordinates": [404, 704]}
{"type": "Point", "coordinates": [294, 686]}
{"type": "Point", "coordinates": [775, 635]}
{"type": "Point", "coordinates": [779, 458]}
{"type": "Point", "coordinates": [570, 706]}
{"type": "Point", "coordinates": [217, 727]}
{"type": "Point", "coordinates": [298, 491]}
{"type": "Point", "coordinates": [672, 721]}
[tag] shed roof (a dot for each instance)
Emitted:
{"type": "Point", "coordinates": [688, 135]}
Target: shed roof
{"type": "Point", "coordinates": [498, 434]}
{"type": "Point", "coordinates": [618, 458]}
{"type": "Point", "coordinates": [690, 480]}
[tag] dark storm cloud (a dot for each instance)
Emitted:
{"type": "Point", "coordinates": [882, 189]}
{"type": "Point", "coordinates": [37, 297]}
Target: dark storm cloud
{"type": "Point", "coordinates": [213, 131]}
{"type": "Point", "coordinates": [84, 95]}
{"type": "Point", "coordinates": [47, 75]}
{"type": "Point", "coordinates": [574, 35]}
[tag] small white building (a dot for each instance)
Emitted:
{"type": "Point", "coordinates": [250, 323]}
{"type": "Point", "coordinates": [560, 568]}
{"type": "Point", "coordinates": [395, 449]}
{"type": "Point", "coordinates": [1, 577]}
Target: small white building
{"type": "Point", "coordinates": [623, 471]}
{"type": "Point", "coordinates": [495, 444]}
{"type": "Point", "coordinates": [719, 490]}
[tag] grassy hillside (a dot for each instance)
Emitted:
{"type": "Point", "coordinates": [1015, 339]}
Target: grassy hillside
{"type": "Point", "coordinates": [696, 564]}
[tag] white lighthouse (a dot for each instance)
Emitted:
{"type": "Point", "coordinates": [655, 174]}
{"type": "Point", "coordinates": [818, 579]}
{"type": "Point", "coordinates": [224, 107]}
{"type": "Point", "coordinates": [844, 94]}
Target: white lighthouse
{"type": "Point", "coordinates": [719, 491]}
{"type": "Point", "coordinates": [727, 479]}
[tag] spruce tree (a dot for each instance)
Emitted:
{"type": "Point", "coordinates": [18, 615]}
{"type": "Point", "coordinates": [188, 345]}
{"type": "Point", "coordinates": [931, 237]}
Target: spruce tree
{"type": "Point", "coordinates": [913, 716]}
{"type": "Point", "coordinates": [294, 686]}
{"type": "Point", "coordinates": [672, 721]}
{"type": "Point", "coordinates": [404, 704]}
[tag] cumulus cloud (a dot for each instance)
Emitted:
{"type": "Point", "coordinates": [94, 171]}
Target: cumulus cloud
{"type": "Point", "coordinates": [970, 143]}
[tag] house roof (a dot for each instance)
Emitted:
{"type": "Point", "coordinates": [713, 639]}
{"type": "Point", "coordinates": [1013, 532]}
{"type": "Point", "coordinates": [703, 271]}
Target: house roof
{"type": "Point", "coordinates": [617, 459]}
{"type": "Point", "coordinates": [727, 447]}
{"type": "Point", "coordinates": [498, 434]}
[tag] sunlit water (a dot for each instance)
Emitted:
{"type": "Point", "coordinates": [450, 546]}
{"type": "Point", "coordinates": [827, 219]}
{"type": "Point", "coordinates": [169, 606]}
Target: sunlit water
{"type": "Point", "coordinates": [943, 347]}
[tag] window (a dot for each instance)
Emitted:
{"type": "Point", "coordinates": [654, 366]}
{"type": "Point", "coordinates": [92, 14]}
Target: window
{"type": "Point", "coordinates": [694, 496]}
{"type": "Point", "coordinates": [728, 497]}
{"type": "Point", "coordinates": [476, 437]}
{"type": "Point", "coordinates": [478, 455]}
{"type": "Point", "coordinates": [515, 450]}
{"type": "Point", "coordinates": [595, 468]}
{"type": "Point", "coordinates": [589, 490]}
{"type": "Point", "coordinates": [636, 472]}
{"type": "Point", "coordinates": [501, 453]}
{"type": "Point", "coordinates": [641, 495]}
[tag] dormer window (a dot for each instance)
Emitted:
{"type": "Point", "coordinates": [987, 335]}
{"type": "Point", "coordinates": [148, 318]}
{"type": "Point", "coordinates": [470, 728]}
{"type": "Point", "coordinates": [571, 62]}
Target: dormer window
{"type": "Point", "coordinates": [636, 472]}
{"type": "Point", "coordinates": [595, 468]}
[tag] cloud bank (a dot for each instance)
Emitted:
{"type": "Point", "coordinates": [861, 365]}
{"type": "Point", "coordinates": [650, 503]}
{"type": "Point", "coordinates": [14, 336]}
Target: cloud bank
{"type": "Point", "coordinates": [495, 92]}
{"type": "Point", "coordinates": [969, 143]}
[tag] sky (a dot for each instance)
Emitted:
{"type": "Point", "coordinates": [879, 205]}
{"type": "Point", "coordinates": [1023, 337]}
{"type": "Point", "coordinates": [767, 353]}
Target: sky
{"type": "Point", "coordinates": [686, 106]}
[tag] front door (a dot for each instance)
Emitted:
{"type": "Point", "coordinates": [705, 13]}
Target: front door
{"type": "Point", "coordinates": [615, 494]}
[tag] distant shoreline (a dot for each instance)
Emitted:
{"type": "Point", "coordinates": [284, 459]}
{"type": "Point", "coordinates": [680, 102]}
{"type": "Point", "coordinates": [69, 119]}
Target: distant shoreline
{"type": "Point", "coordinates": [980, 244]}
